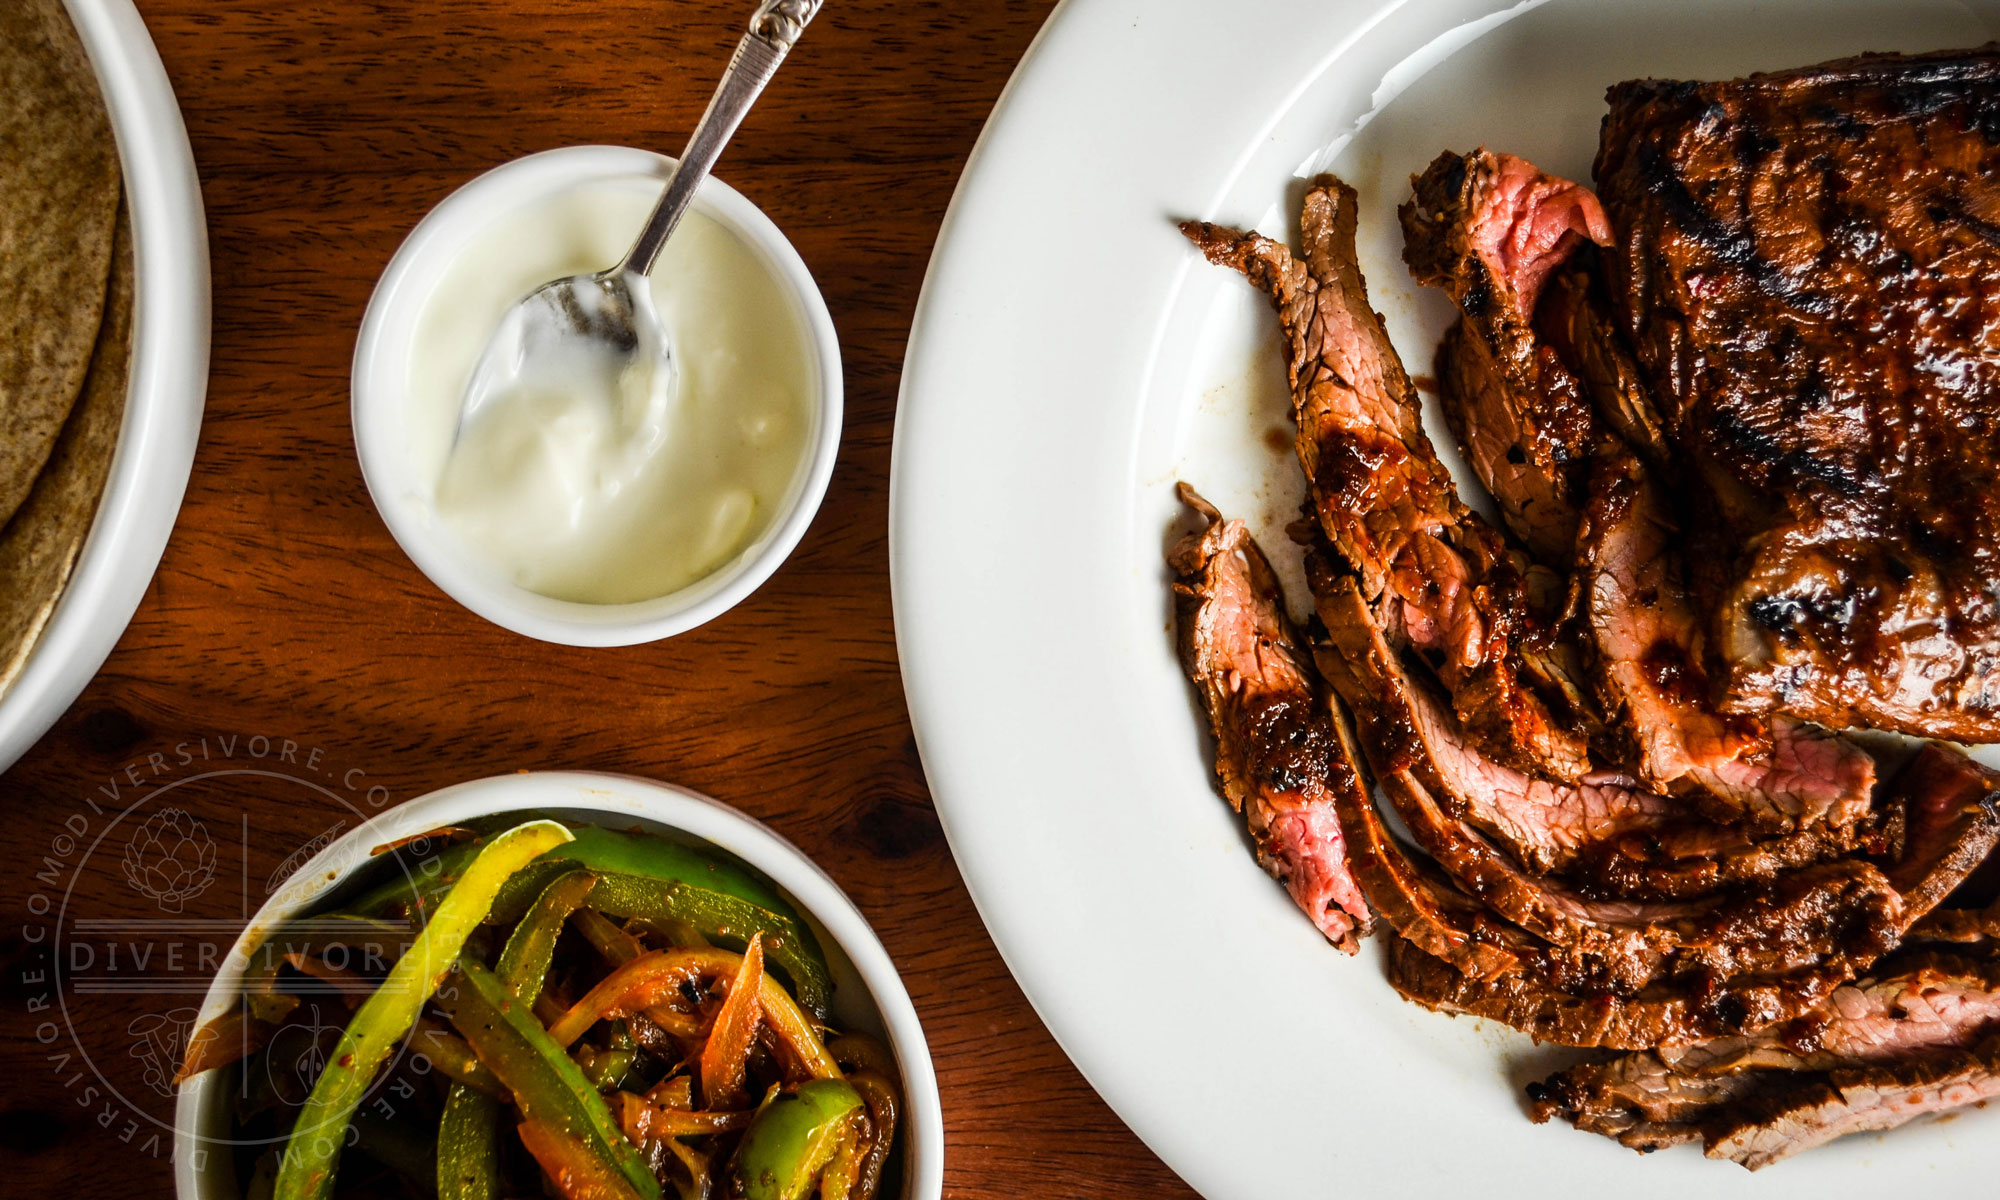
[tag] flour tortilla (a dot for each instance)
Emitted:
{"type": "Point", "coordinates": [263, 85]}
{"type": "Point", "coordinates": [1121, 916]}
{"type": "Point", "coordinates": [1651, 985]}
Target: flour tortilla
{"type": "Point", "coordinates": [59, 198]}
{"type": "Point", "coordinates": [39, 546]}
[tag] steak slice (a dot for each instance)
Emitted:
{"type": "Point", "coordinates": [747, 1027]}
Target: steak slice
{"type": "Point", "coordinates": [1668, 1013]}
{"type": "Point", "coordinates": [1544, 825]}
{"type": "Point", "coordinates": [1777, 774]}
{"type": "Point", "coordinates": [1855, 1100]}
{"type": "Point", "coordinates": [1659, 1097]}
{"type": "Point", "coordinates": [1489, 229]}
{"type": "Point", "coordinates": [1440, 576]}
{"type": "Point", "coordinates": [1695, 859]}
{"type": "Point", "coordinates": [1808, 267]}
{"type": "Point", "coordinates": [1280, 764]}
{"type": "Point", "coordinates": [1950, 811]}
{"type": "Point", "coordinates": [1844, 913]}
{"type": "Point", "coordinates": [1419, 903]}
{"type": "Point", "coordinates": [1573, 319]}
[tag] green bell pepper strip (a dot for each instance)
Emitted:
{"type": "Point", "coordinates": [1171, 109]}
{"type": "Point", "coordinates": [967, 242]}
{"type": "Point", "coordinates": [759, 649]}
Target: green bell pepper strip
{"type": "Point", "coordinates": [792, 1139]}
{"type": "Point", "coordinates": [524, 961]}
{"type": "Point", "coordinates": [469, 1137]}
{"type": "Point", "coordinates": [607, 1069]}
{"type": "Point", "coordinates": [453, 1058]}
{"type": "Point", "coordinates": [313, 1153]}
{"type": "Point", "coordinates": [655, 857]}
{"type": "Point", "coordinates": [642, 875]}
{"type": "Point", "coordinates": [468, 1146]}
{"type": "Point", "coordinates": [594, 848]}
{"type": "Point", "coordinates": [548, 1087]}
{"type": "Point", "coordinates": [789, 946]}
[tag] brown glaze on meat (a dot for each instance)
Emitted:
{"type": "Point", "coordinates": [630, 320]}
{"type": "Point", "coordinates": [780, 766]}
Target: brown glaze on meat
{"type": "Point", "coordinates": [1841, 914]}
{"type": "Point", "coordinates": [1685, 1011]}
{"type": "Point", "coordinates": [1949, 807]}
{"type": "Point", "coordinates": [1280, 764]}
{"type": "Point", "coordinates": [1778, 774]}
{"type": "Point", "coordinates": [1690, 860]}
{"type": "Point", "coordinates": [1489, 229]}
{"type": "Point", "coordinates": [1415, 900]}
{"type": "Point", "coordinates": [1573, 319]}
{"type": "Point", "coordinates": [1544, 825]}
{"type": "Point", "coordinates": [1658, 1097]}
{"type": "Point", "coordinates": [1869, 1099]}
{"type": "Point", "coordinates": [1808, 265]}
{"type": "Point", "coordinates": [1441, 577]}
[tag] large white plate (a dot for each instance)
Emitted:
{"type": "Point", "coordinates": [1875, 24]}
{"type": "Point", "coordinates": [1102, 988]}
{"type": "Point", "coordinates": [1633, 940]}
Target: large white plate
{"type": "Point", "coordinates": [149, 471]}
{"type": "Point", "coordinates": [1070, 360]}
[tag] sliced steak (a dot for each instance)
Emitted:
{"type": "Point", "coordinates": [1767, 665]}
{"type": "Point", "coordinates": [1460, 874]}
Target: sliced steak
{"type": "Point", "coordinates": [1280, 764]}
{"type": "Point", "coordinates": [1840, 915]}
{"type": "Point", "coordinates": [1654, 1098]}
{"type": "Point", "coordinates": [1573, 319]}
{"type": "Point", "coordinates": [1692, 860]}
{"type": "Point", "coordinates": [1419, 903]}
{"type": "Point", "coordinates": [1441, 578]}
{"type": "Point", "coordinates": [1778, 773]}
{"type": "Point", "coordinates": [1488, 230]}
{"type": "Point", "coordinates": [1808, 267]}
{"type": "Point", "coordinates": [1668, 1013]}
{"type": "Point", "coordinates": [1950, 811]}
{"type": "Point", "coordinates": [1854, 1100]}
{"type": "Point", "coordinates": [1544, 825]}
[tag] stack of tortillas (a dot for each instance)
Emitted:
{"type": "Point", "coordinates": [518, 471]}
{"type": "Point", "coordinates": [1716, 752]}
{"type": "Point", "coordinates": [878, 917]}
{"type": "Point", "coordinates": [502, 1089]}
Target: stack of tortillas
{"type": "Point", "coordinates": [66, 281]}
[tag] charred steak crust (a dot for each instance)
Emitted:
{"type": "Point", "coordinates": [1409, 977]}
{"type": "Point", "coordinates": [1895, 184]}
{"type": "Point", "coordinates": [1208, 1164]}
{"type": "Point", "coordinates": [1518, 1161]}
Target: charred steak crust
{"type": "Point", "coordinates": [1443, 579]}
{"type": "Point", "coordinates": [1665, 1014]}
{"type": "Point", "coordinates": [1414, 899]}
{"type": "Point", "coordinates": [1806, 267]}
{"type": "Point", "coordinates": [1278, 759]}
{"type": "Point", "coordinates": [1658, 1096]}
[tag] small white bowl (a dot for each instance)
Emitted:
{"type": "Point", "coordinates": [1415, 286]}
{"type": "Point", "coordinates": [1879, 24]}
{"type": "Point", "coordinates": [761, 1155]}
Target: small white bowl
{"type": "Point", "coordinates": [868, 993]}
{"type": "Point", "coordinates": [381, 404]}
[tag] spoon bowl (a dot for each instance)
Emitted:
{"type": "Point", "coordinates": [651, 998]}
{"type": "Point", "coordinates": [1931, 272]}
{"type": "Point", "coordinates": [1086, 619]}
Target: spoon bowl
{"type": "Point", "coordinates": [597, 338]}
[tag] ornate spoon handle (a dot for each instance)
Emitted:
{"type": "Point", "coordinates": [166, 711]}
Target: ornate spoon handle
{"type": "Point", "coordinates": [774, 29]}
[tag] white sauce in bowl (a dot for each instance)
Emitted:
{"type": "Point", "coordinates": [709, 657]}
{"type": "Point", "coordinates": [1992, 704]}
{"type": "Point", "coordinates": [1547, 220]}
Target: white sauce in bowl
{"type": "Point", "coordinates": [579, 500]}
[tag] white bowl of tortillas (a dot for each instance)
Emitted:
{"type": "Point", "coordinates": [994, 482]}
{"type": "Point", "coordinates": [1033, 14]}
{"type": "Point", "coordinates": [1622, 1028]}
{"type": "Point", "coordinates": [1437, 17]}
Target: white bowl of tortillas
{"type": "Point", "coordinates": [104, 327]}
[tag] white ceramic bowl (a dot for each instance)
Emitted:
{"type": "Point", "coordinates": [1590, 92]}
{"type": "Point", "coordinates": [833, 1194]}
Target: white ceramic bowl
{"type": "Point", "coordinates": [149, 470]}
{"type": "Point", "coordinates": [381, 373]}
{"type": "Point", "coordinates": [868, 993]}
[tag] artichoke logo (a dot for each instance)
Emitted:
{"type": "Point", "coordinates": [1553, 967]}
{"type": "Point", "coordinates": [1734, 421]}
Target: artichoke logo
{"type": "Point", "coordinates": [170, 859]}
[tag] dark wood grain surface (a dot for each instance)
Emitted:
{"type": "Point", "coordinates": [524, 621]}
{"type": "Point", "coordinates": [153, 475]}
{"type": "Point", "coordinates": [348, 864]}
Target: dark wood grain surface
{"type": "Point", "coordinates": [283, 613]}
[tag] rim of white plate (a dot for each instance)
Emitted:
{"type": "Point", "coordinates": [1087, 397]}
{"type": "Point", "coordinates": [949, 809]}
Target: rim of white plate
{"type": "Point", "coordinates": [169, 385]}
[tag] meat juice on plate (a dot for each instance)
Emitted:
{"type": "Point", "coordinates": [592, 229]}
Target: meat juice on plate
{"type": "Point", "coordinates": [596, 487]}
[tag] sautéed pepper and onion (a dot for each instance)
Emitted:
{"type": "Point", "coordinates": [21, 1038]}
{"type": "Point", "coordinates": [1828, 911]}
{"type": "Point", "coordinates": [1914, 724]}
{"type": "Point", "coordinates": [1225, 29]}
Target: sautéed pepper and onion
{"type": "Point", "coordinates": [578, 1012]}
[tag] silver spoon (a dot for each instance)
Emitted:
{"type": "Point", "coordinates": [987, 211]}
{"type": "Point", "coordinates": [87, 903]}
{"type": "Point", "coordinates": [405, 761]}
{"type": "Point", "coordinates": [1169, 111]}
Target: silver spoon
{"type": "Point", "coordinates": [604, 324]}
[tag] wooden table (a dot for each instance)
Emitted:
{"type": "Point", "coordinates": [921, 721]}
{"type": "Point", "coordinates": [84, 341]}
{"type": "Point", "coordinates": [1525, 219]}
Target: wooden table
{"type": "Point", "coordinates": [283, 612]}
